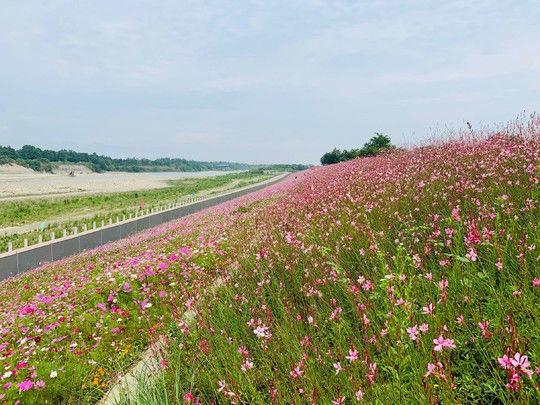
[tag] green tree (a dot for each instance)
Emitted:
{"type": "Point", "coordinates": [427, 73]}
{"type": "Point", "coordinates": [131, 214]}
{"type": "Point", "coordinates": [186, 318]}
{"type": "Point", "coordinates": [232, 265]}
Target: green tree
{"type": "Point", "coordinates": [332, 157]}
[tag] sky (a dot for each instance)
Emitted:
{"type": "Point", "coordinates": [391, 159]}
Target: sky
{"type": "Point", "coordinates": [259, 81]}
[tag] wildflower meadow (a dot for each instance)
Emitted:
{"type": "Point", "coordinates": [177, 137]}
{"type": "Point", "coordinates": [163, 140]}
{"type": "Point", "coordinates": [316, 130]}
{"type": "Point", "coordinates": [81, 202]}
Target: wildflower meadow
{"type": "Point", "coordinates": [412, 277]}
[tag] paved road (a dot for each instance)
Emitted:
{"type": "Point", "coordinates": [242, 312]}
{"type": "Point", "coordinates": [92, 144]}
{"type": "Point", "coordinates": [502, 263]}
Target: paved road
{"type": "Point", "coordinates": [22, 260]}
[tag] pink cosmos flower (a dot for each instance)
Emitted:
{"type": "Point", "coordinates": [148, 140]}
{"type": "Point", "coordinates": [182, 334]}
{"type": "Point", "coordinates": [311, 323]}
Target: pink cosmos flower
{"type": "Point", "coordinates": [25, 385]}
{"type": "Point", "coordinates": [536, 282]}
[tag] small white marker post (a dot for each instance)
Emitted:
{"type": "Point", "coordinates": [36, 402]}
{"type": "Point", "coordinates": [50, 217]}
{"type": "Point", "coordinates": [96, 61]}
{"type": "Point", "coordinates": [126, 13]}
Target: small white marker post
{"type": "Point", "coordinates": [64, 232]}
{"type": "Point", "coordinates": [94, 225]}
{"type": "Point", "coordinates": [110, 221]}
{"type": "Point", "coordinates": [25, 243]}
{"type": "Point", "coordinates": [40, 238]}
{"type": "Point", "coordinates": [84, 227]}
{"type": "Point", "coordinates": [10, 246]}
{"type": "Point", "coordinates": [53, 236]}
{"type": "Point", "coordinates": [75, 230]}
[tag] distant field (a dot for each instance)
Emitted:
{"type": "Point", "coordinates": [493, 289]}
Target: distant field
{"type": "Point", "coordinates": [27, 218]}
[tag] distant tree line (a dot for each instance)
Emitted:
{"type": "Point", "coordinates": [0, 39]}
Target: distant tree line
{"type": "Point", "coordinates": [44, 160]}
{"type": "Point", "coordinates": [374, 146]}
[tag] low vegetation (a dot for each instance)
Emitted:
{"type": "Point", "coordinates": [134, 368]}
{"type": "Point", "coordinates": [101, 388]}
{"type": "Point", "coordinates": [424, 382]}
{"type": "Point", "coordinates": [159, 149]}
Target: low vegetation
{"type": "Point", "coordinates": [376, 145]}
{"type": "Point", "coordinates": [408, 277]}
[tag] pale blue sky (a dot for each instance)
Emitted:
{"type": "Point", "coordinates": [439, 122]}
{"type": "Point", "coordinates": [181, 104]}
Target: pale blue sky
{"type": "Point", "coordinates": [259, 81]}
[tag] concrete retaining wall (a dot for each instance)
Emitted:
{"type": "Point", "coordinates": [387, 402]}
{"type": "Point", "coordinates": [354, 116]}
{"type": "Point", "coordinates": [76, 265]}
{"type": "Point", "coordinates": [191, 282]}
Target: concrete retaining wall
{"type": "Point", "coordinates": [19, 261]}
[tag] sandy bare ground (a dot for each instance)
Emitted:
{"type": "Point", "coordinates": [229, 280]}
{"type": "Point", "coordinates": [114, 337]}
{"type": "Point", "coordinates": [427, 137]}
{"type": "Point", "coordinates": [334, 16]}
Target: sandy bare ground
{"type": "Point", "coordinates": [17, 182]}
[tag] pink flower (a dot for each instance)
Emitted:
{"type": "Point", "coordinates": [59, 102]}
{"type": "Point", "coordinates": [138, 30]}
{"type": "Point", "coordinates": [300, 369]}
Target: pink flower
{"type": "Point", "coordinates": [455, 214]}
{"type": "Point", "coordinates": [338, 368]}
{"type": "Point", "coordinates": [247, 365]}
{"type": "Point", "coordinates": [472, 256]}
{"type": "Point", "coordinates": [339, 401]}
{"type": "Point", "coordinates": [25, 385]}
{"type": "Point", "coordinates": [188, 397]}
{"type": "Point", "coordinates": [413, 332]}
{"type": "Point", "coordinates": [441, 343]}
{"type": "Point", "coordinates": [430, 369]}
{"type": "Point", "coordinates": [359, 395]}
{"type": "Point", "coordinates": [428, 310]}
{"type": "Point", "coordinates": [261, 331]}
{"type": "Point", "coordinates": [484, 327]}
{"type": "Point", "coordinates": [536, 282]}
{"type": "Point", "coordinates": [520, 361]}
{"type": "Point", "coordinates": [353, 355]}
{"type": "Point", "coordinates": [27, 310]}
{"type": "Point", "coordinates": [40, 384]}
{"type": "Point", "coordinates": [505, 362]}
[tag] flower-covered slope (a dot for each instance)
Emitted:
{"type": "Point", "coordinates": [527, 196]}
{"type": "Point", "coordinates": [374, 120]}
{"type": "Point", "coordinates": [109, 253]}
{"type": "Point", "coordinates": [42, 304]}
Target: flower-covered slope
{"type": "Point", "coordinates": [409, 277]}
{"type": "Point", "coordinates": [412, 276]}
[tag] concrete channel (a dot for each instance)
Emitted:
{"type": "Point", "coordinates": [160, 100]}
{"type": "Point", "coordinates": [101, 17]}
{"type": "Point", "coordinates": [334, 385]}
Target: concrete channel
{"type": "Point", "coordinates": [22, 260]}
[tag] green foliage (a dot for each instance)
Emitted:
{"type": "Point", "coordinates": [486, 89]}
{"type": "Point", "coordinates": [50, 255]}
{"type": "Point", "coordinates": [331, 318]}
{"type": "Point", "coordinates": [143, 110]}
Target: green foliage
{"type": "Point", "coordinates": [41, 159]}
{"type": "Point", "coordinates": [376, 144]}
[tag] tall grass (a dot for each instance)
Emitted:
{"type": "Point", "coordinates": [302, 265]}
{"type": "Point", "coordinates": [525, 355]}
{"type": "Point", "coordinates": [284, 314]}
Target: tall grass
{"type": "Point", "coordinates": [402, 278]}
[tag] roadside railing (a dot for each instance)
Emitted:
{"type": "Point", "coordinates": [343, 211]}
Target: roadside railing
{"type": "Point", "coordinates": [78, 239]}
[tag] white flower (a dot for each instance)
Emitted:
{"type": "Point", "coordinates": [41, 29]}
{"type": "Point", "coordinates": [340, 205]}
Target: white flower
{"type": "Point", "coordinates": [53, 374]}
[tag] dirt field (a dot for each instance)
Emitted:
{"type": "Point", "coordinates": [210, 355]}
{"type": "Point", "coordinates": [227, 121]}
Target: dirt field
{"type": "Point", "coordinates": [19, 182]}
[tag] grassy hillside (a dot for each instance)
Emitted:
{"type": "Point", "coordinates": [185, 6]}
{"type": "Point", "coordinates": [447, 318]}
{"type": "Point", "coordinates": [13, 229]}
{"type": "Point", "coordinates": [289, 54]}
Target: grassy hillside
{"type": "Point", "coordinates": [409, 277]}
